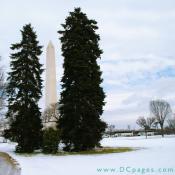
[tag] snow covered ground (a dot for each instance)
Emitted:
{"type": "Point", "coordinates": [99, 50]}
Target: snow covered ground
{"type": "Point", "coordinates": [155, 156]}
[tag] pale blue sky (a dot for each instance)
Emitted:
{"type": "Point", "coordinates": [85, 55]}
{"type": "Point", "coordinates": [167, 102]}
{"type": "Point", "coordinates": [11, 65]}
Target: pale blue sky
{"type": "Point", "coordinates": [137, 37]}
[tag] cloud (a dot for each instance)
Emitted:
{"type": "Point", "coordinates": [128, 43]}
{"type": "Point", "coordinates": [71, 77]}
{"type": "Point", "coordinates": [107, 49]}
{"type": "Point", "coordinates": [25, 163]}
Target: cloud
{"type": "Point", "coordinates": [136, 70]}
{"type": "Point", "coordinates": [125, 106]}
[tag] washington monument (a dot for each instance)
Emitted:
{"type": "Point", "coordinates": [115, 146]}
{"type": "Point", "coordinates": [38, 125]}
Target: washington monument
{"type": "Point", "coordinates": [51, 94]}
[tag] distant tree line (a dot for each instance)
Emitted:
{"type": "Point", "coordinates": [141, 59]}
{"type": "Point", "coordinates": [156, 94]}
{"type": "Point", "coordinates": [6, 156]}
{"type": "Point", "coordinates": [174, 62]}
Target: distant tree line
{"type": "Point", "coordinates": [160, 113]}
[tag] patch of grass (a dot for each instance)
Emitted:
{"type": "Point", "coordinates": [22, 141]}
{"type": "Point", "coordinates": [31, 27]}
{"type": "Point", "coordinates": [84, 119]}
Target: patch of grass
{"type": "Point", "coordinates": [12, 162]}
{"type": "Point", "coordinates": [104, 150]}
{"type": "Point", "coordinates": [7, 158]}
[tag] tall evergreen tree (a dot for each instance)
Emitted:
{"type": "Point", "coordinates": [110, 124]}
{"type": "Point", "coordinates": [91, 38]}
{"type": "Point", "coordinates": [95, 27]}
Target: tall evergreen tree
{"type": "Point", "coordinates": [24, 91]}
{"type": "Point", "coordinates": [82, 97]}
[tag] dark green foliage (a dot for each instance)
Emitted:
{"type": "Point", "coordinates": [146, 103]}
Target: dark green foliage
{"type": "Point", "coordinates": [50, 141]}
{"type": "Point", "coordinates": [82, 97]}
{"type": "Point", "coordinates": [24, 91]}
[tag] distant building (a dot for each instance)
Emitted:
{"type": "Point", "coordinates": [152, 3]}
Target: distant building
{"type": "Point", "coordinates": [131, 133]}
{"type": "Point", "coordinates": [124, 133]}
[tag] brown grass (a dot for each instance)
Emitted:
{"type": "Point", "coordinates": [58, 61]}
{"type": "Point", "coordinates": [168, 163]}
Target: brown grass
{"type": "Point", "coordinates": [104, 150]}
{"type": "Point", "coordinates": [9, 159]}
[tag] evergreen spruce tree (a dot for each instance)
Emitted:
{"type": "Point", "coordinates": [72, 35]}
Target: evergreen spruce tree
{"type": "Point", "coordinates": [82, 97]}
{"type": "Point", "coordinates": [24, 91]}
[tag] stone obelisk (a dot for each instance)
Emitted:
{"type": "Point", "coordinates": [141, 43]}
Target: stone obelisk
{"type": "Point", "coordinates": [51, 94]}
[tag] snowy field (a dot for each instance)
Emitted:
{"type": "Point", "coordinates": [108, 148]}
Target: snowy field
{"type": "Point", "coordinates": [156, 156]}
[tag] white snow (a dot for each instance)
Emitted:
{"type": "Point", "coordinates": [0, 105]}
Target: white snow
{"type": "Point", "coordinates": [156, 153]}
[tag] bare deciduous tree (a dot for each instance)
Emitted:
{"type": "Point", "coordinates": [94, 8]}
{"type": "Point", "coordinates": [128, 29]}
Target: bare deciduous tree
{"type": "Point", "coordinates": [4, 124]}
{"type": "Point", "coordinates": [51, 114]}
{"type": "Point", "coordinates": [2, 91]}
{"type": "Point", "coordinates": [141, 121]}
{"type": "Point", "coordinates": [146, 124]}
{"type": "Point", "coordinates": [160, 110]}
{"type": "Point", "coordinates": [111, 129]}
{"type": "Point", "coordinates": [151, 121]}
{"type": "Point", "coordinates": [171, 123]}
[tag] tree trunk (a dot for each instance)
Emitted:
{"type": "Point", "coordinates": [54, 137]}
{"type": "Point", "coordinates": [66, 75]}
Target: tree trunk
{"type": "Point", "coordinates": [162, 131]}
{"type": "Point", "coordinates": [146, 134]}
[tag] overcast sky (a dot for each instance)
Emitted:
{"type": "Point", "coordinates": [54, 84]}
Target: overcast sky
{"type": "Point", "coordinates": [137, 37]}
